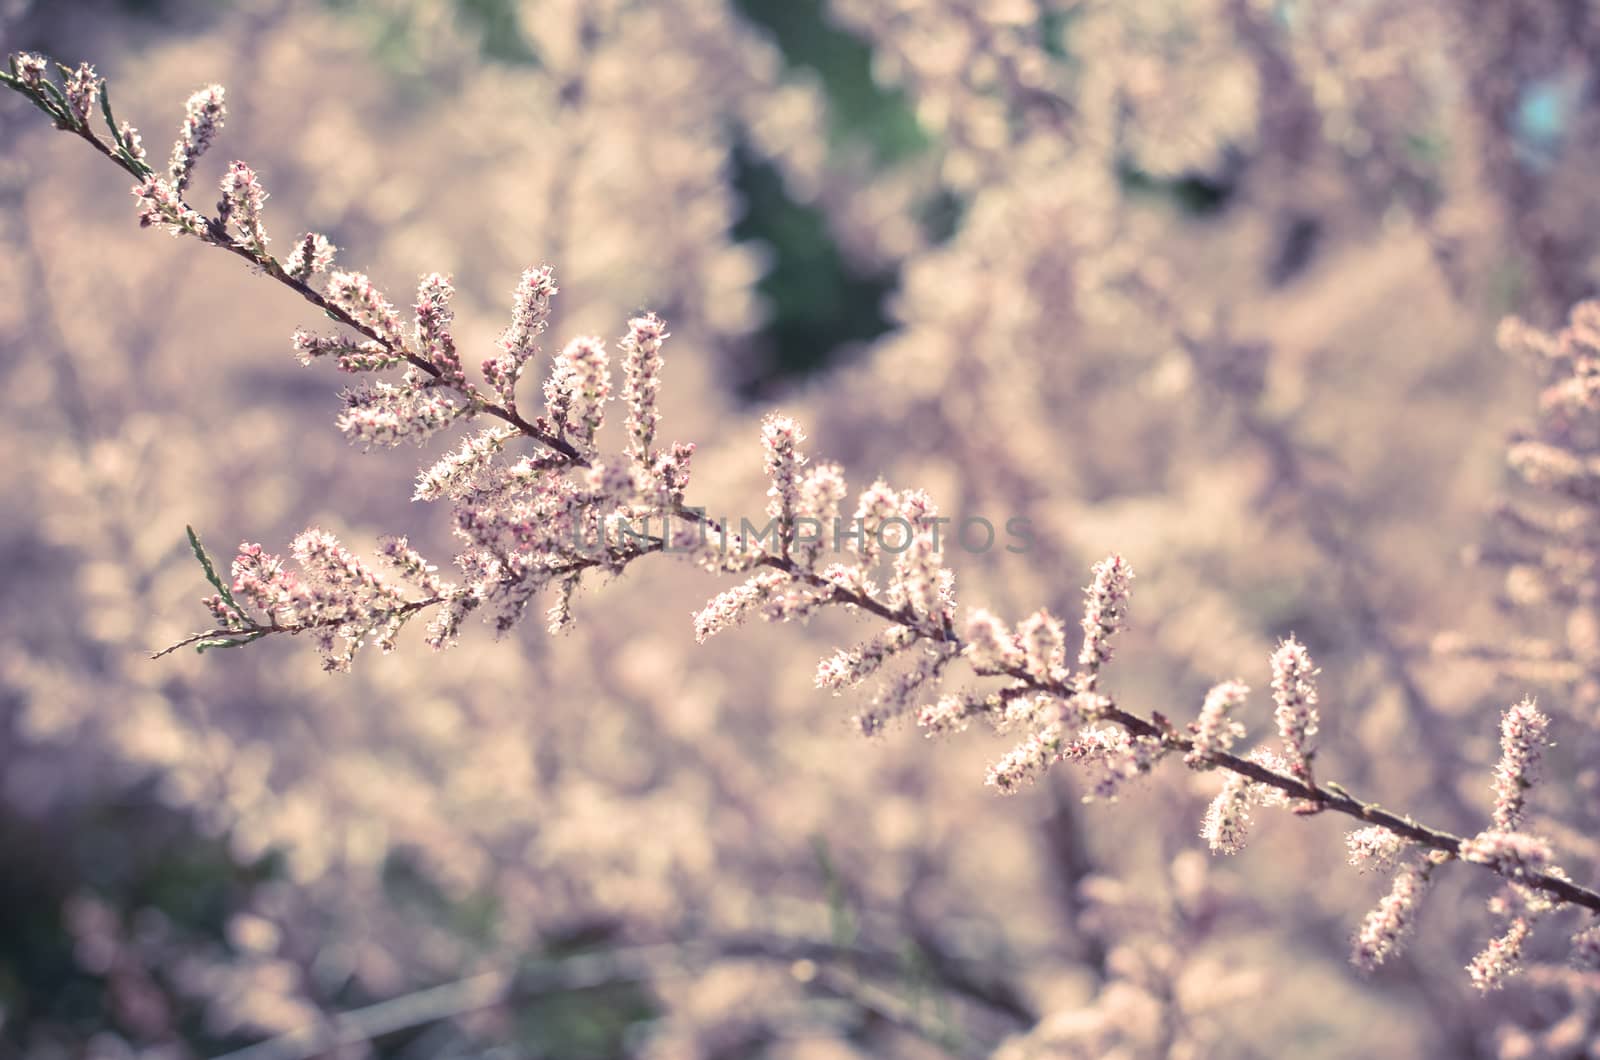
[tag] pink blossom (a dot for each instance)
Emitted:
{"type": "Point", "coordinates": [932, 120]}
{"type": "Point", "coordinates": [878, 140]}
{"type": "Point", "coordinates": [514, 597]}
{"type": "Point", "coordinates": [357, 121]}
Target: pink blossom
{"type": "Point", "coordinates": [132, 142]}
{"type": "Point", "coordinates": [161, 206]}
{"type": "Point", "coordinates": [782, 462]}
{"type": "Point", "coordinates": [530, 313]}
{"type": "Point", "coordinates": [410, 564]}
{"type": "Point", "coordinates": [1215, 730]}
{"type": "Point", "coordinates": [83, 92]}
{"type": "Point", "coordinates": [990, 647]}
{"type": "Point", "coordinates": [1374, 847]}
{"type": "Point", "coordinates": [352, 355]}
{"type": "Point", "coordinates": [919, 580]}
{"type": "Point", "coordinates": [953, 711]}
{"type": "Point", "coordinates": [1510, 853]}
{"type": "Point", "coordinates": [733, 606]}
{"type": "Point", "coordinates": [242, 200]}
{"type": "Point", "coordinates": [1115, 756]}
{"type": "Point", "coordinates": [1024, 763]}
{"type": "Point", "coordinates": [464, 469]}
{"type": "Point", "coordinates": [433, 320]}
{"type": "Point", "coordinates": [847, 668]}
{"type": "Point", "coordinates": [354, 293]}
{"type": "Point", "coordinates": [1502, 957]}
{"type": "Point", "coordinates": [260, 580]}
{"type": "Point", "coordinates": [1385, 930]}
{"type": "Point", "coordinates": [1586, 948]}
{"type": "Point", "coordinates": [641, 379]}
{"type": "Point", "coordinates": [203, 118]}
{"type": "Point", "coordinates": [1105, 613]}
{"type": "Point", "coordinates": [1044, 645]}
{"type": "Point", "coordinates": [898, 694]}
{"type": "Point", "coordinates": [1295, 692]}
{"type": "Point", "coordinates": [1523, 730]}
{"type": "Point", "coordinates": [386, 415]}
{"type": "Point", "coordinates": [578, 387]}
{"type": "Point", "coordinates": [312, 254]}
{"type": "Point", "coordinates": [1227, 820]}
{"type": "Point", "coordinates": [31, 68]}
{"type": "Point", "coordinates": [822, 490]}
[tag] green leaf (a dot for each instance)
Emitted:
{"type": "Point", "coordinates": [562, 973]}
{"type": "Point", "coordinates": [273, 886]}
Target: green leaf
{"type": "Point", "coordinates": [139, 165]}
{"type": "Point", "coordinates": [111, 123]}
{"type": "Point", "coordinates": [211, 576]}
{"type": "Point", "coordinates": [840, 915]}
{"type": "Point", "coordinates": [15, 81]}
{"type": "Point", "coordinates": [224, 642]}
{"type": "Point", "coordinates": [64, 109]}
{"type": "Point", "coordinates": [44, 105]}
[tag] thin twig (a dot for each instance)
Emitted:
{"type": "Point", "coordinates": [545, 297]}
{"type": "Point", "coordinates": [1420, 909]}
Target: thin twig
{"type": "Point", "coordinates": [588, 971]}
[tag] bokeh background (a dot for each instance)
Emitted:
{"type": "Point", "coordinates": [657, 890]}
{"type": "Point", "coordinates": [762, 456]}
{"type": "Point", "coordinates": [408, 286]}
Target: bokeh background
{"type": "Point", "coordinates": [1211, 283]}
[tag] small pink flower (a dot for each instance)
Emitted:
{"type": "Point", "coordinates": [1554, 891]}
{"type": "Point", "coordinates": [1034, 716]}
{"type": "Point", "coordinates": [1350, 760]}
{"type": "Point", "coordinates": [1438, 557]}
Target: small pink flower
{"type": "Point", "coordinates": [1374, 847]}
{"type": "Point", "coordinates": [1044, 645]}
{"type": "Point", "coordinates": [433, 320]}
{"type": "Point", "coordinates": [1105, 613]}
{"type": "Point", "coordinates": [83, 92]}
{"type": "Point", "coordinates": [1385, 930]}
{"type": "Point", "coordinates": [1294, 691]}
{"type": "Point", "coordinates": [31, 68]}
{"type": "Point", "coordinates": [312, 254]}
{"type": "Point", "coordinates": [641, 379]}
{"type": "Point", "coordinates": [578, 387]}
{"type": "Point", "coordinates": [242, 200]}
{"type": "Point", "coordinates": [1215, 730]}
{"type": "Point", "coordinates": [203, 118]}
{"type": "Point", "coordinates": [1509, 853]}
{"type": "Point", "coordinates": [1502, 957]}
{"type": "Point", "coordinates": [990, 646]}
{"type": "Point", "coordinates": [782, 461]}
{"type": "Point", "coordinates": [1227, 820]}
{"type": "Point", "coordinates": [354, 293]}
{"type": "Point", "coordinates": [1523, 733]}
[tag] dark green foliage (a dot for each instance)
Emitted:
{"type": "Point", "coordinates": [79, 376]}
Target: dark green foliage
{"type": "Point", "coordinates": [819, 302]}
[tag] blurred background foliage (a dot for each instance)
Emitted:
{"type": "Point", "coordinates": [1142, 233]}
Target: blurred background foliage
{"type": "Point", "coordinates": [100, 888]}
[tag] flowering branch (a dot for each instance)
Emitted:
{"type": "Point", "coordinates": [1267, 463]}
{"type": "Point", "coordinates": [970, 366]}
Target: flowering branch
{"type": "Point", "coordinates": [544, 519]}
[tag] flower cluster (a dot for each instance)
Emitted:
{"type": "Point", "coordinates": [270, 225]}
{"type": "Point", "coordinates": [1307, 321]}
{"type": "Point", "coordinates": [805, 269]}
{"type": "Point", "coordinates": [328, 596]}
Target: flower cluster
{"type": "Point", "coordinates": [203, 118]}
{"type": "Point", "coordinates": [1516, 856]}
{"type": "Point", "coordinates": [1385, 930]}
{"type": "Point", "coordinates": [1510, 853]}
{"type": "Point", "coordinates": [530, 316]}
{"type": "Point", "coordinates": [1227, 819]}
{"type": "Point", "coordinates": [1373, 848]}
{"type": "Point", "coordinates": [641, 379]}
{"type": "Point", "coordinates": [1543, 535]}
{"type": "Point", "coordinates": [242, 199]}
{"type": "Point", "coordinates": [312, 254]}
{"type": "Point", "coordinates": [1522, 737]}
{"type": "Point", "coordinates": [83, 92]}
{"type": "Point", "coordinates": [1296, 697]}
{"type": "Point", "coordinates": [1104, 614]}
{"type": "Point", "coordinates": [1216, 730]}
{"type": "Point", "coordinates": [336, 597]}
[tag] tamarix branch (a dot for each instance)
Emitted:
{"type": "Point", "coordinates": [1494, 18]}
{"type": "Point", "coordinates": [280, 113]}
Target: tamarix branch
{"type": "Point", "coordinates": [538, 505]}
